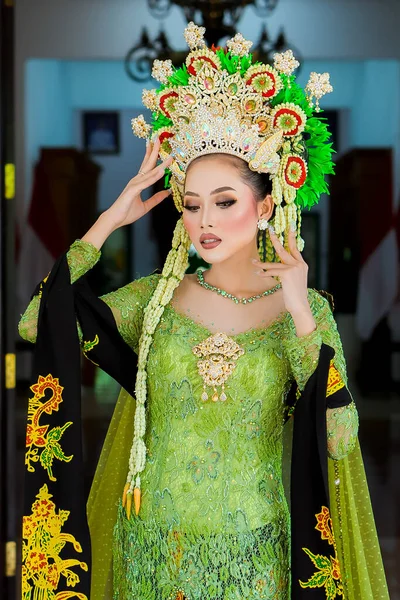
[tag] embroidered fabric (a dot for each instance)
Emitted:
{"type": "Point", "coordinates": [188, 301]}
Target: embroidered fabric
{"type": "Point", "coordinates": [214, 521]}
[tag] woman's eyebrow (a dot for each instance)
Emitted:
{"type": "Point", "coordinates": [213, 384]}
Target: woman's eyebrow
{"type": "Point", "coordinates": [217, 191]}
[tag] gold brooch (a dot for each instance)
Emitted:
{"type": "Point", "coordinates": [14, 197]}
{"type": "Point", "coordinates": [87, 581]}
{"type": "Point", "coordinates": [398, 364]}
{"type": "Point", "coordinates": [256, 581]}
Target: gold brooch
{"type": "Point", "coordinates": [219, 354]}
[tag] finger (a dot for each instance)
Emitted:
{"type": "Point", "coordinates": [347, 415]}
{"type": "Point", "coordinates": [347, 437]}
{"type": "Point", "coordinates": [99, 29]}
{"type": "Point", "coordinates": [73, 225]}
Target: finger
{"type": "Point", "coordinates": [270, 273]}
{"type": "Point", "coordinates": [295, 252]}
{"type": "Point", "coordinates": [156, 199]}
{"type": "Point", "coordinates": [151, 161]}
{"type": "Point", "coordinates": [154, 175]}
{"type": "Point", "coordinates": [276, 267]}
{"type": "Point", "coordinates": [149, 147]}
{"type": "Point", "coordinates": [279, 268]}
{"type": "Point", "coordinates": [264, 265]}
{"type": "Point", "coordinates": [280, 250]}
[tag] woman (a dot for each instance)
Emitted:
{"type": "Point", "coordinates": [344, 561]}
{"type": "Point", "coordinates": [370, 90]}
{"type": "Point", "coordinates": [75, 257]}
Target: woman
{"type": "Point", "coordinates": [223, 356]}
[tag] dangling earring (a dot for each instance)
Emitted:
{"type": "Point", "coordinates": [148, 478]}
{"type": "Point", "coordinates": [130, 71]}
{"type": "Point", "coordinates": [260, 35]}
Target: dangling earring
{"type": "Point", "coordinates": [262, 224]}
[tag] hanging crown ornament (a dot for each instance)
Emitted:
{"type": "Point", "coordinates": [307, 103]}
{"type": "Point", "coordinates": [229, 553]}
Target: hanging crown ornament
{"type": "Point", "coordinates": [219, 101]}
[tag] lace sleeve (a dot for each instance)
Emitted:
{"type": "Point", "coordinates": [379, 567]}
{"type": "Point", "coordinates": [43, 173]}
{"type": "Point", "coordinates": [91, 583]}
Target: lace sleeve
{"type": "Point", "coordinates": [127, 305]}
{"type": "Point", "coordinates": [342, 429]}
{"type": "Point", "coordinates": [303, 353]}
{"type": "Point", "coordinates": [81, 257]}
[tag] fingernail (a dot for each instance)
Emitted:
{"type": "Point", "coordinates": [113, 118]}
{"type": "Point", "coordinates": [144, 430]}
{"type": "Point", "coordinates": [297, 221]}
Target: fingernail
{"type": "Point", "coordinates": [147, 143]}
{"type": "Point", "coordinates": [254, 261]}
{"type": "Point", "coordinates": [271, 228]}
{"type": "Point", "coordinates": [170, 191]}
{"type": "Point", "coordinates": [293, 226]}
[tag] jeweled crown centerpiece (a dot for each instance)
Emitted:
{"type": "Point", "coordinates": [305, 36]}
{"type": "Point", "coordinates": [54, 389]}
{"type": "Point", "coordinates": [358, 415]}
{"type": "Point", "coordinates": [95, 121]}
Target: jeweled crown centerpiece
{"type": "Point", "coordinates": [220, 102]}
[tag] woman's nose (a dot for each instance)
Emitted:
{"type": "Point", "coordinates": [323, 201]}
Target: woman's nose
{"type": "Point", "coordinates": [206, 218]}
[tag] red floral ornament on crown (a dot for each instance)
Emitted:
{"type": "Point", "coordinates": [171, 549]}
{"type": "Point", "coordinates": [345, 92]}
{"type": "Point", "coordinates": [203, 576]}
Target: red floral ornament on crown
{"type": "Point", "coordinates": [264, 80]}
{"type": "Point", "coordinates": [196, 60]}
{"type": "Point", "coordinates": [164, 136]}
{"type": "Point", "coordinates": [295, 171]}
{"type": "Point", "coordinates": [289, 118]}
{"type": "Point", "coordinates": [167, 102]}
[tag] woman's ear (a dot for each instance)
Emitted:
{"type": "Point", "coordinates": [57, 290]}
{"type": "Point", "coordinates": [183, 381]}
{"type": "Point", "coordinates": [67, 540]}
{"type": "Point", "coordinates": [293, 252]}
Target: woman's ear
{"type": "Point", "coordinates": [266, 207]}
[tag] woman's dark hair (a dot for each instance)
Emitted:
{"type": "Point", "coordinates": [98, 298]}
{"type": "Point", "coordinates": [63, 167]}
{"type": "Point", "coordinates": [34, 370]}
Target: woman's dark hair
{"type": "Point", "coordinates": [260, 183]}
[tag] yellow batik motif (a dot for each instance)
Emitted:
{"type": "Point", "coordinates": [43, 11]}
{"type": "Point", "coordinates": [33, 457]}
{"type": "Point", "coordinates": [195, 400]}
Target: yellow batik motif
{"type": "Point", "coordinates": [335, 381]}
{"type": "Point", "coordinates": [87, 346]}
{"type": "Point", "coordinates": [328, 573]}
{"type": "Point", "coordinates": [41, 285]}
{"type": "Point", "coordinates": [41, 443]}
{"type": "Point", "coordinates": [42, 543]}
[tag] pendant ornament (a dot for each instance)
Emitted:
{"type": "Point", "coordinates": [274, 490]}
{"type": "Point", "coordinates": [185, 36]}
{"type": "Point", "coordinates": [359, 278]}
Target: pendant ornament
{"type": "Point", "coordinates": [218, 354]}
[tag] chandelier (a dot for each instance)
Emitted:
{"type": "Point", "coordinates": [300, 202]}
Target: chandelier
{"type": "Point", "coordinates": [219, 17]}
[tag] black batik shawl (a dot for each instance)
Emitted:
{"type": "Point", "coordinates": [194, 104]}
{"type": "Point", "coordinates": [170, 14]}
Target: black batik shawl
{"type": "Point", "coordinates": [326, 544]}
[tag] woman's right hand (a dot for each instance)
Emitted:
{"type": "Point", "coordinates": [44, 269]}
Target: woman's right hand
{"type": "Point", "coordinates": [129, 206]}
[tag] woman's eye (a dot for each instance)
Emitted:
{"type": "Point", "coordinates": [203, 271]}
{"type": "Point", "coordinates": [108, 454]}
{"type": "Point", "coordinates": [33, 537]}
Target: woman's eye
{"type": "Point", "coordinates": [226, 203]}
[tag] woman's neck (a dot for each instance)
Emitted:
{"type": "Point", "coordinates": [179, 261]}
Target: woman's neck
{"type": "Point", "coordinates": [237, 275]}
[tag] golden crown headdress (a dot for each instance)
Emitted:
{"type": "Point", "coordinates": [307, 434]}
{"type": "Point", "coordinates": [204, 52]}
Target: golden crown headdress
{"type": "Point", "coordinates": [220, 102]}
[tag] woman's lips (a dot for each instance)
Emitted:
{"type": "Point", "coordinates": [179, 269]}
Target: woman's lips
{"type": "Point", "coordinates": [210, 245]}
{"type": "Point", "coordinates": [209, 240]}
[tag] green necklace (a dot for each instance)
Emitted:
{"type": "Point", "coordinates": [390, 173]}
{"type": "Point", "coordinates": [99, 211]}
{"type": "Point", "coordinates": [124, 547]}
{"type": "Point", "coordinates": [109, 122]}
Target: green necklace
{"type": "Point", "coordinates": [213, 288]}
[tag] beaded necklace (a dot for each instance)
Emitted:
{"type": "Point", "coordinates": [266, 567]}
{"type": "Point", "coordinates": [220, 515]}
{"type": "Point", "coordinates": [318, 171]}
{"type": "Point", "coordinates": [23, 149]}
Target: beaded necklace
{"type": "Point", "coordinates": [213, 288]}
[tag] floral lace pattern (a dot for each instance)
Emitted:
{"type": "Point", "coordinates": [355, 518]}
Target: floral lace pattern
{"type": "Point", "coordinates": [214, 521]}
{"type": "Point", "coordinates": [155, 561]}
{"type": "Point", "coordinates": [342, 428]}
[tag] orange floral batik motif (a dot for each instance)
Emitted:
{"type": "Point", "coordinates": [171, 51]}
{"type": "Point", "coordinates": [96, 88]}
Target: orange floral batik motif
{"type": "Point", "coordinates": [335, 381]}
{"type": "Point", "coordinates": [42, 543]}
{"type": "Point", "coordinates": [44, 445]}
{"type": "Point", "coordinates": [328, 569]}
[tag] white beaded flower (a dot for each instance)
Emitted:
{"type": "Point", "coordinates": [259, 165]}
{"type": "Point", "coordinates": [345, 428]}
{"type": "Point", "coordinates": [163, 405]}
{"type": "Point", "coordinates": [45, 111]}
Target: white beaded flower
{"type": "Point", "coordinates": [318, 85]}
{"type": "Point", "coordinates": [194, 35]}
{"type": "Point", "coordinates": [162, 69]}
{"type": "Point", "coordinates": [139, 127]}
{"type": "Point", "coordinates": [285, 62]}
{"type": "Point", "coordinates": [150, 99]}
{"type": "Point", "coordinates": [239, 46]}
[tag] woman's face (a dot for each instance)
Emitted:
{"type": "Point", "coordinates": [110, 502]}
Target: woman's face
{"type": "Point", "coordinates": [219, 206]}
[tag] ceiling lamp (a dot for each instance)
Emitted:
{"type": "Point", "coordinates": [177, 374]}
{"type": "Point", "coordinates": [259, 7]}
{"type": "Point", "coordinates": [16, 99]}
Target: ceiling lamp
{"type": "Point", "coordinates": [219, 17]}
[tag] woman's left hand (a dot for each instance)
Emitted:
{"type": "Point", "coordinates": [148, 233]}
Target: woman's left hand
{"type": "Point", "coordinates": [292, 272]}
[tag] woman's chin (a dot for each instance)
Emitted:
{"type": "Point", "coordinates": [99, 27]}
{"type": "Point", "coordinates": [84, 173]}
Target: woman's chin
{"type": "Point", "coordinates": [213, 257]}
